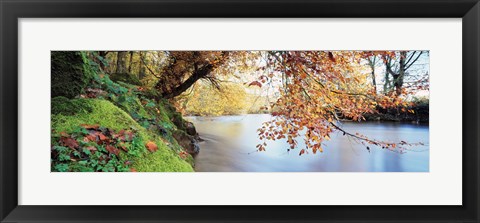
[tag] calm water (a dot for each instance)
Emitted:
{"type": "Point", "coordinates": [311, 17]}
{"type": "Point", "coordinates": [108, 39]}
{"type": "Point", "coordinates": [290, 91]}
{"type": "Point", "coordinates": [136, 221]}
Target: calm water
{"type": "Point", "coordinates": [230, 146]}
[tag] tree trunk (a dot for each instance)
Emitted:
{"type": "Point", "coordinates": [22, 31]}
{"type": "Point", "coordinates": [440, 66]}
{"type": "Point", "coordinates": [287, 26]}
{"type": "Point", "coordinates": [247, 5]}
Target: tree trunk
{"type": "Point", "coordinates": [121, 62]}
{"type": "Point", "coordinates": [197, 74]}
{"type": "Point", "coordinates": [399, 78]}
{"type": "Point", "coordinates": [141, 72]}
{"type": "Point", "coordinates": [130, 63]}
{"type": "Point", "coordinates": [372, 62]}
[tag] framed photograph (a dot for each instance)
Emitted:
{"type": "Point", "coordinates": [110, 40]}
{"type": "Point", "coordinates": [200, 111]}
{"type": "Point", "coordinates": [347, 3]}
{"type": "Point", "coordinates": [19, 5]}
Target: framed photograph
{"type": "Point", "coordinates": [228, 111]}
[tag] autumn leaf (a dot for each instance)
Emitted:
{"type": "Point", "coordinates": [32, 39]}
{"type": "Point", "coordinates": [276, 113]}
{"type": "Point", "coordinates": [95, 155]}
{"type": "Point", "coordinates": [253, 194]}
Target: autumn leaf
{"type": "Point", "coordinates": [102, 137]}
{"type": "Point", "coordinates": [69, 142]}
{"type": "Point", "coordinates": [301, 152]}
{"type": "Point", "coordinates": [151, 146]}
{"type": "Point", "coordinates": [89, 137]}
{"type": "Point", "coordinates": [112, 149]}
{"type": "Point", "coordinates": [86, 126]}
{"type": "Point", "coordinates": [255, 83]}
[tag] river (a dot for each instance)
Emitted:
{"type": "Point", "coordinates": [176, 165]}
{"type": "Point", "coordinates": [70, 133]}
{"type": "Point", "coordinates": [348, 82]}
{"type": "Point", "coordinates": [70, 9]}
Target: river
{"type": "Point", "coordinates": [229, 146]}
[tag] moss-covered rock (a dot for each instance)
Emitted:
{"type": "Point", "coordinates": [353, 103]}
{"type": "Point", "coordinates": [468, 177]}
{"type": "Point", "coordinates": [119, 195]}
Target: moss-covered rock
{"type": "Point", "coordinates": [67, 69]}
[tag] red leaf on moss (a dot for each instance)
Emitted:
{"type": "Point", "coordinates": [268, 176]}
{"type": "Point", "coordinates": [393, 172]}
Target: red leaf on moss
{"type": "Point", "coordinates": [102, 137]}
{"type": "Point", "coordinates": [90, 137]}
{"type": "Point", "coordinates": [69, 142]}
{"type": "Point", "coordinates": [112, 149]}
{"type": "Point", "coordinates": [151, 146]}
{"type": "Point", "coordinates": [90, 126]}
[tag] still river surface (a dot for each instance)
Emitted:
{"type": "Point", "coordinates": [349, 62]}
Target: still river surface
{"type": "Point", "coordinates": [229, 146]}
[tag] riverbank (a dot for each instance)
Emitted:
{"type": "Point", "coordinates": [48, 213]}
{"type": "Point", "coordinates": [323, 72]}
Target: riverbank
{"type": "Point", "coordinates": [101, 125]}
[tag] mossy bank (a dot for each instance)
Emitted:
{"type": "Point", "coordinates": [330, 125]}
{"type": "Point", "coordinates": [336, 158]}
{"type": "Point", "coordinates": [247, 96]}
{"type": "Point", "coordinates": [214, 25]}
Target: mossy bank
{"type": "Point", "coordinates": [102, 125]}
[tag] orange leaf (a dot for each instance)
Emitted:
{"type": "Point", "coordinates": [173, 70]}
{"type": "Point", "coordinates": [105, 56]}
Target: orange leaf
{"type": "Point", "coordinates": [151, 146]}
{"type": "Point", "coordinates": [112, 149]}
{"type": "Point", "coordinates": [90, 126]}
{"type": "Point", "coordinates": [255, 83]}
{"type": "Point", "coordinates": [102, 137]}
{"type": "Point", "coordinates": [301, 152]}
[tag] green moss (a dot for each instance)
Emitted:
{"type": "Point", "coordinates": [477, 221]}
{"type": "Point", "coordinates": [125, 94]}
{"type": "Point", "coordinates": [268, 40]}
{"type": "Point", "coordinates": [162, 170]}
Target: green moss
{"type": "Point", "coordinates": [68, 73]}
{"type": "Point", "coordinates": [106, 114]}
{"type": "Point", "coordinates": [163, 160]}
{"type": "Point", "coordinates": [171, 115]}
{"type": "Point", "coordinates": [64, 106]}
{"type": "Point", "coordinates": [102, 112]}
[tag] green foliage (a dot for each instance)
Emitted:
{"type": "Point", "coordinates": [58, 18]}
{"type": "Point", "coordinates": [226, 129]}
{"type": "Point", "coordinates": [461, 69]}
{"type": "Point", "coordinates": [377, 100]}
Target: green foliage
{"type": "Point", "coordinates": [127, 78]}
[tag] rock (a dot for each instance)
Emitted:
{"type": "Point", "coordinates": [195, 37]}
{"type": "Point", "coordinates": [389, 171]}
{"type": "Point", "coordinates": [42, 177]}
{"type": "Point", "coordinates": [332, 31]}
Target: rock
{"type": "Point", "coordinates": [68, 78]}
{"type": "Point", "coordinates": [190, 129]}
{"type": "Point", "coordinates": [187, 142]}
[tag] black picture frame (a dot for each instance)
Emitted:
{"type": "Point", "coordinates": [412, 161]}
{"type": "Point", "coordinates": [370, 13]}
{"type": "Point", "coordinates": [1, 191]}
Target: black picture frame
{"type": "Point", "coordinates": [11, 11]}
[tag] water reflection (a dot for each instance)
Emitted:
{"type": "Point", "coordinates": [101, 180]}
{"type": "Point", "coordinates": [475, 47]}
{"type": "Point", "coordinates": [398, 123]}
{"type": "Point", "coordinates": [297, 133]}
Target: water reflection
{"type": "Point", "coordinates": [230, 146]}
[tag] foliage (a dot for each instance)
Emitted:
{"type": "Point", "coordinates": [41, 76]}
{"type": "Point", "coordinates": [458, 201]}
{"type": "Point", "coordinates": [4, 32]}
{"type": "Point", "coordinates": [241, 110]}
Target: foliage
{"type": "Point", "coordinates": [208, 101]}
{"type": "Point", "coordinates": [316, 89]}
{"type": "Point", "coordinates": [93, 148]}
{"type": "Point", "coordinates": [125, 77]}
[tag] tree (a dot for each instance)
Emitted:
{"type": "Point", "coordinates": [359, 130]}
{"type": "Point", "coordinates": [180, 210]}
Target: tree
{"type": "Point", "coordinates": [372, 63]}
{"type": "Point", "coordinates": [319, 87]}
{"type": "Point", "coordinates": [130, 63]}
{"type": "Point", "coordinates": [398, 71]}
{"type": "Point", "coordinates": [185, 68]}
{"type": "Point", "coordinates": [141, 72]}
{"type": "Point", "coordinates": [206, 100]}
{"type": "Point", "coordinates": [121, 62]}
